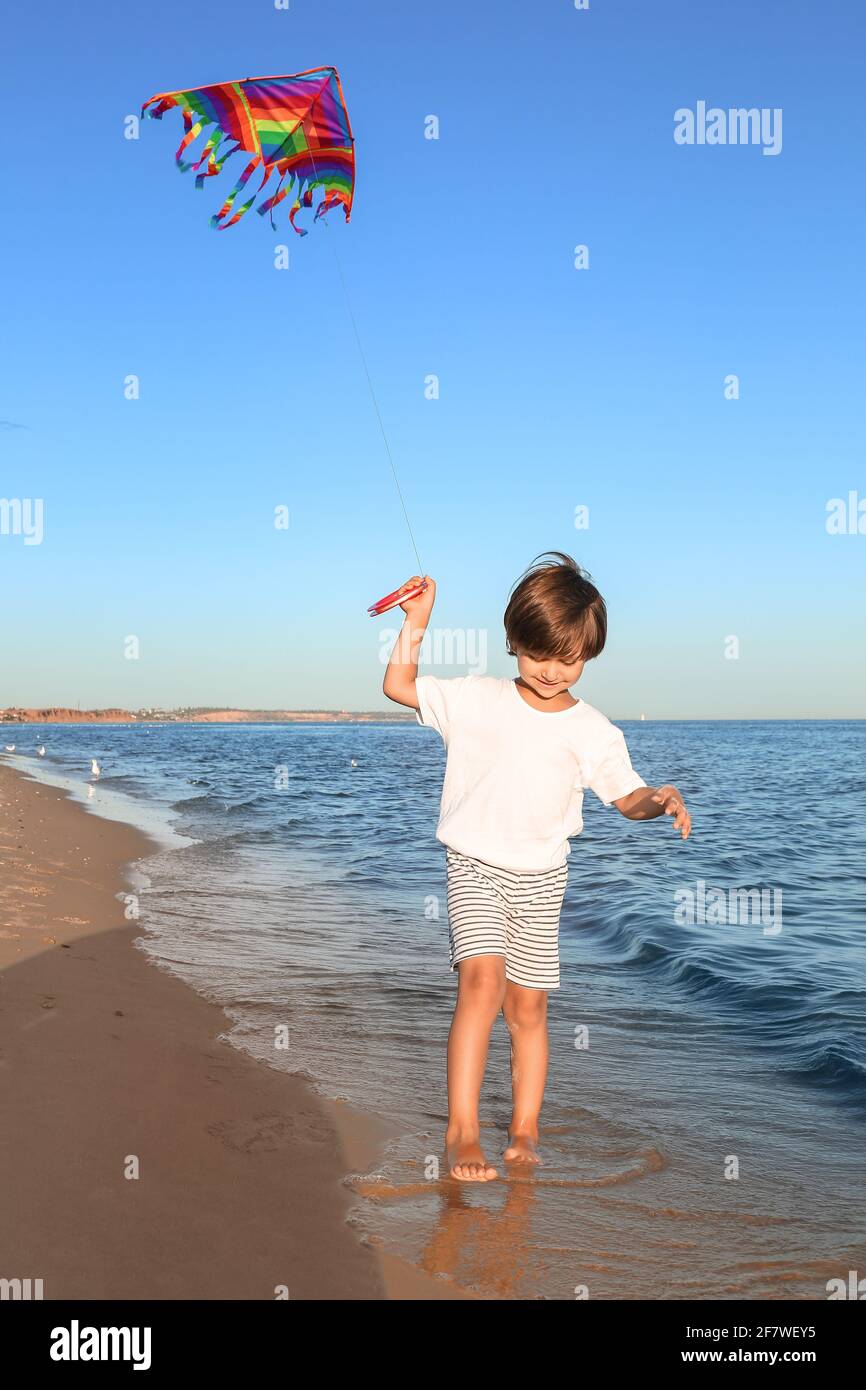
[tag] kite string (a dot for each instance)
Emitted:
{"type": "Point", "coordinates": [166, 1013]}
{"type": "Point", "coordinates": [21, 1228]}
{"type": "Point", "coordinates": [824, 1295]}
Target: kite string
{"type": "Point", "coordinates": [367, 374]}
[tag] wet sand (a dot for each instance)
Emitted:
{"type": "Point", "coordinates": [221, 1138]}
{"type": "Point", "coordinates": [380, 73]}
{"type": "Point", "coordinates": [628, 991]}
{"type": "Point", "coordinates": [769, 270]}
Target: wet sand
{"type": "Point", "coordinates": [142, 1157]}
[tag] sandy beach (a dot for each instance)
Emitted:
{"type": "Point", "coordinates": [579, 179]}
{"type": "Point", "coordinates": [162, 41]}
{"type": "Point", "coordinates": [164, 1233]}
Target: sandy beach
{"type": "Point", "coordinates": [109, 1065]}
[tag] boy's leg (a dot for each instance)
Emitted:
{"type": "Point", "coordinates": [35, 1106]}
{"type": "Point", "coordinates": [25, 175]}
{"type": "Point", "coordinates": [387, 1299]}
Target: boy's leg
{"type": "Point", "coordinates": [525, 1013]}
{"type": "Point", "coordinates": [480, 996]}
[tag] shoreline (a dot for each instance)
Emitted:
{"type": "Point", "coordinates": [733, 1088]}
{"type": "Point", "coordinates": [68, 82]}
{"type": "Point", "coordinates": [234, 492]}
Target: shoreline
{"type": "Point", "coordinates": [111, 1065]}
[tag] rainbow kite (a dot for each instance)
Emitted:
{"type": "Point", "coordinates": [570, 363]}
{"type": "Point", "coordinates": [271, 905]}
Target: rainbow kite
{"type": "Point", "coordinates": [296, 126]}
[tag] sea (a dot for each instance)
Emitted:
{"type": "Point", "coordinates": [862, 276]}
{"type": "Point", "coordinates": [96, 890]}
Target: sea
{"type": "Point", "coordinates": [704, 1127]}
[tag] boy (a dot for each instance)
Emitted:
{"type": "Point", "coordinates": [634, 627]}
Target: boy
{"type": "Point", "coordinates": [519, 754]}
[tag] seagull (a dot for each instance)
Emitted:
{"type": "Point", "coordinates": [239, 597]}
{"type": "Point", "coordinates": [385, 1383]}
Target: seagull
{"type": "Point", "coordinates": [354, 762]}
{"type": "Point", "coordinates": [95, 769]}
{"type": "Point", "coordinates": [41, 750]}
{"type": "Point", "coordinates": [10, 747]}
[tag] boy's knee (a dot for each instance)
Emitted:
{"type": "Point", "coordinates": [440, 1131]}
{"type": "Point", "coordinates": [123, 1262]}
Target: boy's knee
{"type": "Point", "coordinates": [526, 1008]}
{"type": "Point", "coordinates": [482, 979]}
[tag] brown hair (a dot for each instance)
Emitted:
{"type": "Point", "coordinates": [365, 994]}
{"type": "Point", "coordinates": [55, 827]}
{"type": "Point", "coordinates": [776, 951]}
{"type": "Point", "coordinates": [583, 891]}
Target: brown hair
{"type": "Point", "coordinates": [555, 610]}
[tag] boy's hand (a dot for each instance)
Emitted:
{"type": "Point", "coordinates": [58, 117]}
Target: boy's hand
{"type": "Point", "coordinates": [399, 683]}
{"type": "Point", "coordinates": [673, 805]}
{"type": "Point", "coordinates": [419, 609]}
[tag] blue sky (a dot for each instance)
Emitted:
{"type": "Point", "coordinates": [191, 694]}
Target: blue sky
{"type": "Point", "coordinates": [558, 387]}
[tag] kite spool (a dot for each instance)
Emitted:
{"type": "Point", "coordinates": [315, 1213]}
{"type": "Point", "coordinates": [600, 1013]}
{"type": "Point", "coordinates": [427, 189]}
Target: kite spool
{"type": "Point", "coordinates": [393, 599]}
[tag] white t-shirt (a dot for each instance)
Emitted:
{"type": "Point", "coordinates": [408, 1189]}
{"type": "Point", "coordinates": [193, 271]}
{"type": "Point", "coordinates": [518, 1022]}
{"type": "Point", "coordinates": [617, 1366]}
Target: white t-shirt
{"type": "Point", "coordinates": [514, 775]}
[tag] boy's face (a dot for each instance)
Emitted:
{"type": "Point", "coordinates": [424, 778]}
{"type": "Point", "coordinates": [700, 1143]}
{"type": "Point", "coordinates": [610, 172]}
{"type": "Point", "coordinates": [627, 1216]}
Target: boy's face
{"type": "Point", "coordinates": [549, 676]}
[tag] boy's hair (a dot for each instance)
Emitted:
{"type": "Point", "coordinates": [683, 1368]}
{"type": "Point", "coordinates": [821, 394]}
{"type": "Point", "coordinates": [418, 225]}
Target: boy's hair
{"type": "Point", "coordinates": [555, 610]}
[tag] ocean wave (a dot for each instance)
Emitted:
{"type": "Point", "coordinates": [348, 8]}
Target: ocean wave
{"type": "Point", "coordinates": [823, 1035]}
{"type": "Point", "coordinates": [832, 1066]}
{"type": "Point", "coordinates": [212, 801]}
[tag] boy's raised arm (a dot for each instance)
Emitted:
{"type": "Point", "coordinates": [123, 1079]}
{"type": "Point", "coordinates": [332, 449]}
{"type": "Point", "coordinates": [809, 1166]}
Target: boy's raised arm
{"type": "Point", "coordinates": [399, 682]}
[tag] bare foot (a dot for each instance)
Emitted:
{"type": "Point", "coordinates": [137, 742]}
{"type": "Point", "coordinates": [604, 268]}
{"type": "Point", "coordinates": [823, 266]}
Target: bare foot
{"type": "Point", "coordinates": [466, 1160]}
{"type": "Point", "coordinates": [522, 1148]}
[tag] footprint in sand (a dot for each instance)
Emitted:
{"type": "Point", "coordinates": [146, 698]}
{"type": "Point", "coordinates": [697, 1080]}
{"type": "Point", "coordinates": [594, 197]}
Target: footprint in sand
{"type": "Point", "coordinates": [267, 1133]}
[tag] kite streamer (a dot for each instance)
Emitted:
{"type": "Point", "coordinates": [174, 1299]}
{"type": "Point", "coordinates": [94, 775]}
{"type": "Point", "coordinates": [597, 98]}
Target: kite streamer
{"type": "Point", "coordinates": [295, 127]}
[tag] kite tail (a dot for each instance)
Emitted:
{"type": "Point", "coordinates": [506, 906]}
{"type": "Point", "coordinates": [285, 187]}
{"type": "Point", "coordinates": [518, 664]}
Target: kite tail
{"type": "Point", "coordinates": [192, 133]}
{"type": "Point", "coordinates": [165, 104]}
{"type": "Point", "coordinates": [215, 165]}
{"type": "Point", "coordinates": [333, 197]}
{"type": "Point", "coordinates": [245, 207]}
{"type": "Point", "coordinates": [305, 200]}
{"type": "Point", "coordinates": [270, 203]}
{"type": "Point", "coordinates": [331, 200]}
{"type": "Point", "coordinates": [209, 154]}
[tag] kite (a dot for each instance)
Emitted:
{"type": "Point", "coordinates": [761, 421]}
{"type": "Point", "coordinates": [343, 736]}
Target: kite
{"type": "Point", "coordinates": [295, 126]}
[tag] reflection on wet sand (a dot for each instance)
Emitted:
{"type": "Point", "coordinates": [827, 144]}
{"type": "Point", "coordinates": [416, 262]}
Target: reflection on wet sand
{"type": "Point", "coordinates": [481, 1234]}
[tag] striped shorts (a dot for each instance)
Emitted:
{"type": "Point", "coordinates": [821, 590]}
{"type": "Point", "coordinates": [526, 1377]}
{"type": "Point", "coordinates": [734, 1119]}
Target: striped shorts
{"type": "Point", "coordinates": [497, 912]}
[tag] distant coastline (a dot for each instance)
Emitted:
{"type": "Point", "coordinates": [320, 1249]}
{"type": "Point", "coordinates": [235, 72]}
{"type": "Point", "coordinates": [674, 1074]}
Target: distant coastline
{"type": "Point", "coordinates": [200, 715]}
